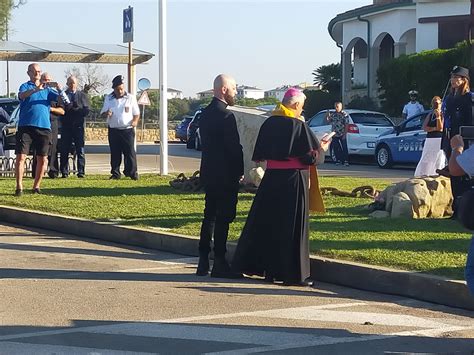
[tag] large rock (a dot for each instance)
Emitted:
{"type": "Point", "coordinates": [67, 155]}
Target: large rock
{"type": "Point", "coordinates": [256, 175]}
{"type": "Point", "coordinates": [402, 206]}
{"type": "Point", "coordinates": [429, 197]}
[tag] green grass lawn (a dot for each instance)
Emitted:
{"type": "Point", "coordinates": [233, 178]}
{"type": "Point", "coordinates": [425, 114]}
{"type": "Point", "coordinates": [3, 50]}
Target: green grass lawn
{"type": "Point", "coordinates": [436, 246]}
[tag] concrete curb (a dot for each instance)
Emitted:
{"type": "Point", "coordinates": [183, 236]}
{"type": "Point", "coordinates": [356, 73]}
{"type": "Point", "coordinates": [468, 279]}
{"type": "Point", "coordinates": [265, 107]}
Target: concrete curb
{"type": "Point", "coordinates": [378, 279]}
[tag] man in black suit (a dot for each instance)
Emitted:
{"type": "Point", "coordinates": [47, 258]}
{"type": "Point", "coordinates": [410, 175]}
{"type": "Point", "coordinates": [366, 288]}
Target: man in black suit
{"type": "Point", "coordinates": [73, 126]}
{"type": "Point", "coordinates": [222, 168]}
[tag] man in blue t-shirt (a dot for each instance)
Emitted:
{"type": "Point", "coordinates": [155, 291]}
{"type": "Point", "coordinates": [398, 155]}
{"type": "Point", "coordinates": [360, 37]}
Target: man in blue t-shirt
{"type": "Point", "coordinates": [34, 127]}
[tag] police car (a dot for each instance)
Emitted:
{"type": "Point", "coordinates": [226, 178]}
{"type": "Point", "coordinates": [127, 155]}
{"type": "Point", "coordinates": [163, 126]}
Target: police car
{"type": "Point", "coordinates": [403, 144]}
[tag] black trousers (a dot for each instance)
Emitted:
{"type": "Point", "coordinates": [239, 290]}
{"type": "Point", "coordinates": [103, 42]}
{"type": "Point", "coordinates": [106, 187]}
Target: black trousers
{"type": "Point", "coordinates": [122, 141]}
{"type": "Point", "coordinates": [73, 132]}
{"type": "Point", "coordinates": [339, 145]}
{"type": "Point", "coordinates": [53, 162]}
{"type": "Point", "coordinates": [219, 212]}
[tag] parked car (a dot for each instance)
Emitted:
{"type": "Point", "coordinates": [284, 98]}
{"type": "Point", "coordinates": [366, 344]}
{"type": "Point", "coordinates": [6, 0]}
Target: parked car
{"type": "Point", "coordinates": [363, 129]}
{"type": "Point", "coordinates": [403, 144]}
{"type": "Point", "coordinates": [181, 129]}
{"type": "Point", "coordinates": [9, 105]}
{"type": "Point", "coordinates": [8, 139]}
{"type": "Point", "coordinates": [193, 140]}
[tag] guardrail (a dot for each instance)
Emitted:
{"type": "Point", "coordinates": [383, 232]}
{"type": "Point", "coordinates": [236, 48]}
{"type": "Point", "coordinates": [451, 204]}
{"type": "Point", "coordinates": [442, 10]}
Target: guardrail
{"type": "Point", "coordinates": [7, 166]}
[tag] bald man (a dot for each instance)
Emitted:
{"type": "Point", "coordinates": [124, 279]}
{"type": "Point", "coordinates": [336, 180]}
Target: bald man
{"type": "Point", "coordinates": [73, 127]}
{"type": "Point", "coordinates": [222, 168]}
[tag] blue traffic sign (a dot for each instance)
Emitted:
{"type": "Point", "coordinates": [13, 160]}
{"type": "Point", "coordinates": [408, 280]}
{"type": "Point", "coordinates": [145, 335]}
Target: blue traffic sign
{"type": "Point", "coordinates": [128, 25]}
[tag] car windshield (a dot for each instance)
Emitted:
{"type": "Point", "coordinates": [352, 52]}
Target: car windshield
{"type": "Point", "coordinates": [9, 106]}
{"type": "Point", "coordinates": [371, 119]}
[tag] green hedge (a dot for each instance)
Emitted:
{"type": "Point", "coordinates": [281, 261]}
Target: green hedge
{"type": "Point", "coordinates": [427, 72]}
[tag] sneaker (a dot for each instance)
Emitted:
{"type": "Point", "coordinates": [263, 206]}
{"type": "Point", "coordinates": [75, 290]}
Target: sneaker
{"type": "Point", "coordinates": [36, 190]}
{"type": "Point", "coordinates": [80, 176]}
{"type": "Point", "coordinates": [18, 192]}
{"type": "Point", "coordinates": [64, 176]}
{"type": "Point", "coordinates": [346, 163]}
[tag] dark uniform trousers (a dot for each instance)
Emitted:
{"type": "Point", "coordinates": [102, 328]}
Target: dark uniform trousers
{"type": "Point", "coordinates": [219, 212]}
{"type": "Point", "coordinates": [53, 163]}
{"type": "Point", "coordinates": [122, 141]}
{"type": "Point", "coordinates": [73, 133]}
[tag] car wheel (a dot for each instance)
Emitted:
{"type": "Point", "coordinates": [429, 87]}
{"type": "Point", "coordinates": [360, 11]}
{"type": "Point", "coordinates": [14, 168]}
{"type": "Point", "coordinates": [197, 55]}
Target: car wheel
{"type": "Point", "coordinates": [384, 157]}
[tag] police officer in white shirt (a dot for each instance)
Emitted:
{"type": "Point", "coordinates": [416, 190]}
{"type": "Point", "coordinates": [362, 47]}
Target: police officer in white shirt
{"type": "Point", "coordinates": [122, 113]}
{"type": "Point", "coordinates": [413, 107]}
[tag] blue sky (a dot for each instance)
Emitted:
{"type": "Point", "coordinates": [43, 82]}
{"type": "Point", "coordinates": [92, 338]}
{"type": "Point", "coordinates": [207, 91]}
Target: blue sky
{"type": "Point", "coordinates": [261, 43]}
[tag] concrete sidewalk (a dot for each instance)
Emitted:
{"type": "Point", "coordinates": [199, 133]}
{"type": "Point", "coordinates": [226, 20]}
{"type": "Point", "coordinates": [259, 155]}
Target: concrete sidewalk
{"type": "Point", "coordinates": [371, 278]}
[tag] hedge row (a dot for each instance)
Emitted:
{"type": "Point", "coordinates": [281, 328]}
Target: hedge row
{"type": "Point", "coordinates": [427, 72]}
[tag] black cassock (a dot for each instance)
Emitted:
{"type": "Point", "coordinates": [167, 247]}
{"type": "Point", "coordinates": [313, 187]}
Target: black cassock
{"type": "Point", "coordinates": [274, 241]}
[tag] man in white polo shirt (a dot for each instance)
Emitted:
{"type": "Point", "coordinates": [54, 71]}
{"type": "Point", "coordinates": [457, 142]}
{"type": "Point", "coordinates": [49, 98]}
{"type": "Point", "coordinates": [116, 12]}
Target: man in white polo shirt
{"type": "Point", "coordinates": [413, 107]}
{"type": "Point", "coordinates": [122, 113]}
{"type": "Point", "coordinates": [461, 163]}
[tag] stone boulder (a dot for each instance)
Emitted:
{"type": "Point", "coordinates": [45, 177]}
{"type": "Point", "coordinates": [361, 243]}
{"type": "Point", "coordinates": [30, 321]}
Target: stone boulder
{"type": "Point", "coordinates": [402, 206]}
{"type": "Point", "coordinates": [429, 197]}
{"type": "Point", "coordinates": [256, 175]}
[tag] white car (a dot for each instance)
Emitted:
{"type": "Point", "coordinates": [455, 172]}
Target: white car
{"type": "Point", "coordinates": [362, 132]}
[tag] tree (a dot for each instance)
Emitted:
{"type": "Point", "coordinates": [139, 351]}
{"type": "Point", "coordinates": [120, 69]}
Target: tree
{"type": "Point", "coordinates": [6, 6]}
{"type": "Point", "coordinates": [328, 77]}
{"type": "Point", "coordinates": [90, 78]}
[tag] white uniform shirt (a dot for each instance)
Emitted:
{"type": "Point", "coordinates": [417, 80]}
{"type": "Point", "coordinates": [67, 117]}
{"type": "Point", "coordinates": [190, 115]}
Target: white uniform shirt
{"type": "Point", "coordinates": [123, 110]}
{"type": "Point", "coordinates": [466, 161]}
{"type": "Point", "coordinates": [412, 109]}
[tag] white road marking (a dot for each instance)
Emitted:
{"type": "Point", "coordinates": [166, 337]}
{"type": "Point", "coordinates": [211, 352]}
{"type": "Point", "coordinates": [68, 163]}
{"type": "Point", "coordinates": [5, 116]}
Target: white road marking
{"type": "Point", "coordinates": [97, 329]}
{"type": "Point", "coordinates": [266, 340]}
{"type": "Point", "coordinates": [316, 314]}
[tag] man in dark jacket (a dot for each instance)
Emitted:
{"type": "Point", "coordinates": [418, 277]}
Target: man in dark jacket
{"type": "Point", "coordinates": [73, 124]}
{"type": "Point", "coordinates": [222, 168]}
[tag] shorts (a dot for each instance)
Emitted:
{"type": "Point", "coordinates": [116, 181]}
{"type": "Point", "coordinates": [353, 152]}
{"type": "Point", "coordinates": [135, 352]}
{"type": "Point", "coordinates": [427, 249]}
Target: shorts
{"type": "Point", "coordinates": [28, 137]}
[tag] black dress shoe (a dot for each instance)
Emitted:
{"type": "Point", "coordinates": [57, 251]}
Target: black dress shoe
{"type": "Point", "coordinates": [221, 269]}
{"type": "Point", "coordinates": [80, 176]}
{"type": "Point", "coordinates": [134, 177]}
{"type": "Point", "coordinates": [18, 192]}
{"type": "Point", "coordinates": [64, 176]}
{"type": "Point", "coordinates": [114, 177]}
{"type": "Point", "coordinates": [203, 266]}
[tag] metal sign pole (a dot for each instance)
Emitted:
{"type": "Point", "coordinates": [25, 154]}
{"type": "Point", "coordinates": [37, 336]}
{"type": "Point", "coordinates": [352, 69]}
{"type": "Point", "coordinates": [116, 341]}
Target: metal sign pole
{"type": "Point", "coordinates": [163, 92]}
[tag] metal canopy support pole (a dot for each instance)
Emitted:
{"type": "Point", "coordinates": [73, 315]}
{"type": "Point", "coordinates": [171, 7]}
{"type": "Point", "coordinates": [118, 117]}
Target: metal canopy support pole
{"type": "Point", "coordinates": [163, 92]}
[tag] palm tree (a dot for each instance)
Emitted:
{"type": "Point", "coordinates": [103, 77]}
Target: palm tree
{"type": "Point", "coordinates": [328, 77]}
